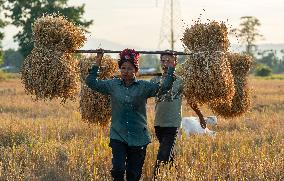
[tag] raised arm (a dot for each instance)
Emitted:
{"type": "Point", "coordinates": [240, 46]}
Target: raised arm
{"type": "Point", "coordinates": [194, 106]}
{"type": "Point", "coordinates": [167, 83]}
{"type": "Point", "coordinates": [102, 86]}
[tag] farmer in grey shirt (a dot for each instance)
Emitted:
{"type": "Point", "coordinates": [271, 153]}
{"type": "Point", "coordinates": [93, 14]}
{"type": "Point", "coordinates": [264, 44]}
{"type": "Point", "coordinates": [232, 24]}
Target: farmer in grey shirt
{"type": "Point", "coordinates": [168, 113]}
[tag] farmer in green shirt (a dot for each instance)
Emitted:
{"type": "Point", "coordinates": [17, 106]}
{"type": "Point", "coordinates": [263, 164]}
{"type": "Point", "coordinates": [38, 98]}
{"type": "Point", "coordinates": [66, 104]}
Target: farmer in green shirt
{"type": "Point", "coordinates": [168, 113]}
{"type": "Point", "coordinates": [129, 134]}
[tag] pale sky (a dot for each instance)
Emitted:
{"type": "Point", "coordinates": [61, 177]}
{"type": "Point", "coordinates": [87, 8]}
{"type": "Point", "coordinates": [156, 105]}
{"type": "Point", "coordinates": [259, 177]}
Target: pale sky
{"type": "Point", "coordinates": [138, 22]}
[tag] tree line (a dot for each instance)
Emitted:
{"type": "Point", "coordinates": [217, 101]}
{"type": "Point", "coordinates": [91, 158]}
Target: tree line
{"type": "Point", "coordinates": [266, 61]}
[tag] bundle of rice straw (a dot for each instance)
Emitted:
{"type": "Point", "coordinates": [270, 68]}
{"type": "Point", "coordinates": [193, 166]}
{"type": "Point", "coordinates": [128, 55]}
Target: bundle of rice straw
{"type": "Point", "coordinates": [240, 65]}
{"type": "Point", "coordinates": [206, 74]}
{"type": "Point", "coordinates": [56, 31]}
{"type": "Point", "coordinates": [212, 36]}
{"type": "Point", "coordinates": [95, 107]}
{"type": "Point", "coordinates": [50, 71]}
{"type": "Point", "coordinates": [50, 74]}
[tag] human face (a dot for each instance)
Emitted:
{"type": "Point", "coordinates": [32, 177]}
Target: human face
{"type": "Point", "coordinates": [128, 71]}
{"type": "Point", "coordinates": [166, 60]}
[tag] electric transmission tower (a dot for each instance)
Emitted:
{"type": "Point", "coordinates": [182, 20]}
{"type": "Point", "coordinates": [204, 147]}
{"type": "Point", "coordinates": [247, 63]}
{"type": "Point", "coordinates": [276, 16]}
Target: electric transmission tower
{"type": "Point", "coordinates": [171, 26]}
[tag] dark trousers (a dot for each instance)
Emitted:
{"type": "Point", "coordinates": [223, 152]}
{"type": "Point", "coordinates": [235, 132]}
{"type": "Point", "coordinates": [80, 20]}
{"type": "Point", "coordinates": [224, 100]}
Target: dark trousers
{"type": "Point", "coordinates": [129, 158]}
{"type": "Point", "coordinates": [167, 137]}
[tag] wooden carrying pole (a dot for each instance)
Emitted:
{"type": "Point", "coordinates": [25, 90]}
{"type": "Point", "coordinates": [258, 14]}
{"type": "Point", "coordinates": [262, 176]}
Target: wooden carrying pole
{"type": "Point", "coordinates": [141, 52]}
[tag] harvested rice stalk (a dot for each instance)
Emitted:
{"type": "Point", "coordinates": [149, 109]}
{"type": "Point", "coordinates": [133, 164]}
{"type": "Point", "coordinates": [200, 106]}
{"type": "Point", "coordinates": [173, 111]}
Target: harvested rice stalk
{"type": "Point", "coordinates": [50, 70]}
{"type": "Point", "coordinates": [240, 65]}
{"type": "Point", "coordinates": [206, 74]}
{"type": "Point", "coordinates": [211, 36]}
{"type": "Point", "coordinates": [207, 78]}
{"type": "Point", "coordinates": [95, 107]}
{"type": "Point", "coordinates": [49, 74]}
{"type": "Point", "coordinates": [56, 32]}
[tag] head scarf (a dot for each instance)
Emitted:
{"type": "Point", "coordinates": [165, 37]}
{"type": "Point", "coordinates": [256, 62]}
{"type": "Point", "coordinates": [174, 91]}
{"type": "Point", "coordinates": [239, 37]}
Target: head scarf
{"type": "Point", "coordinates": [129, 55]}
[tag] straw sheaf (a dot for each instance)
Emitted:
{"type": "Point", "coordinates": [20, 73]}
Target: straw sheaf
{"type": "Point", "coordinates": [207, 77]}
{"type": "Point", "coordinates": [211, 36]}
{"type": "Point", "coordinates": [55, 31]}
{"type": "Point", "coordinates": [49, 74]}
{"type": "Point", "coordinates": [240, 65]}
{"type": "Point", "coordinates": [50, 71]}
{"type": "Point", "coordinates": [95, 107]}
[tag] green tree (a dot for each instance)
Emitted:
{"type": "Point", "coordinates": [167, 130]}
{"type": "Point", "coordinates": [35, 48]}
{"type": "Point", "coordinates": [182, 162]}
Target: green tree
{"type": "Point", "coordinates": [273, 59]}
{"type": "Point", "coordinates": [248, 32]}
{"type": "Point", "coordinates": [280, 67]}
{"type": "Point", "coordinates": [24, 12]}
{"type": "Point", "coordinates": [13, 58]}
{"type": "Point", "coordinates": [269, 58]}
{"type": "Point", "coordinates": [2, 25]}
{"type": "Point", "coordinates": [263, 70]}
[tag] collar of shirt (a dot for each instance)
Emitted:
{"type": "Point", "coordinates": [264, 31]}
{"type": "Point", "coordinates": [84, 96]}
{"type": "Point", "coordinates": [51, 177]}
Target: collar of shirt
{"type": "Point", "coordinates": [165, 74]}
{"type": "Point", "coordinates": [135, 81]}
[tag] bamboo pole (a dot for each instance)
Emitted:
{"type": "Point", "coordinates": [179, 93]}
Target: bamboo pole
{"type": "Point", "coordinates": [141, 52]}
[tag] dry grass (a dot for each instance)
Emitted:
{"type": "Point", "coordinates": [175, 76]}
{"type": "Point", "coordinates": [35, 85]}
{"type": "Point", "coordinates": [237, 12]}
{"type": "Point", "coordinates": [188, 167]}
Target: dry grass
{"type": "Point", "coordinates": [48, 141]}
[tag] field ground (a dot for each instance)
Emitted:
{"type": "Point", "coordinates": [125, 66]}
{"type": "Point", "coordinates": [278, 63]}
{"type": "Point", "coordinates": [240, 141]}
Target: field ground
{"type": "Point", "coordinates": [48, 141]}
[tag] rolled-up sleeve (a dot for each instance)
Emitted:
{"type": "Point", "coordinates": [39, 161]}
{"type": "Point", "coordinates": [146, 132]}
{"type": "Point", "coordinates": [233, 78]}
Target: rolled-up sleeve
{"type": "Point", "coordinates": [102, 86]}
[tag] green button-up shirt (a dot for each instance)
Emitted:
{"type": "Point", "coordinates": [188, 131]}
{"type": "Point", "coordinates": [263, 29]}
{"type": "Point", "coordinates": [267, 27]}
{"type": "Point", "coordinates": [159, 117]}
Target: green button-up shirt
{"type": "Point", "coordinates": [129, 119]}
